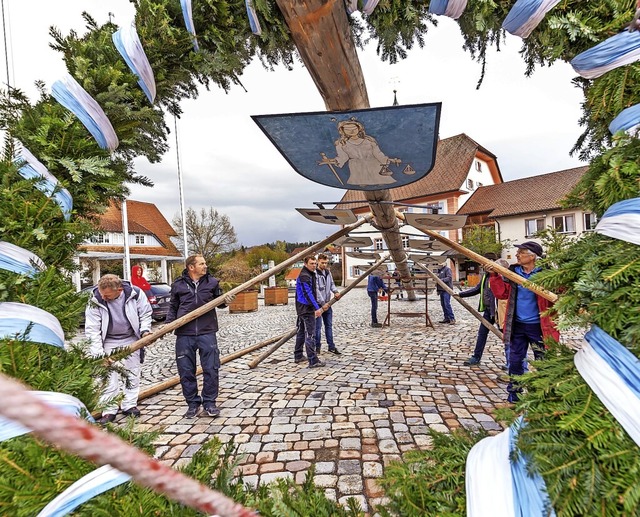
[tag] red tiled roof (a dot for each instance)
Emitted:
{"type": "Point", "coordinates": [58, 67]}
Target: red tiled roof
{"type": "Point", "coordinates": [144, 218]}
{"type": "Point", "coordinates": [454, 157]}
{"type": "Point", "coordinates": [293, 273]}
{"type": "Point", "coordinates": [526, 195]}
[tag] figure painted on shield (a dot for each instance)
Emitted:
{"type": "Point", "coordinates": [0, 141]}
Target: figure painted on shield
{"type": "Point", "coordinates": [368, 165]}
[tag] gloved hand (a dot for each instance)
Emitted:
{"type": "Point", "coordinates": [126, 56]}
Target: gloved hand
{"type": "Point", "coordinates": [228, 299]}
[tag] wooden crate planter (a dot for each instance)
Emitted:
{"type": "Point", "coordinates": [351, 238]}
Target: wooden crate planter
{"type": "Point", "coordinates": [276, 296]}
{"type": "Point", "coordinates": [246, 301]}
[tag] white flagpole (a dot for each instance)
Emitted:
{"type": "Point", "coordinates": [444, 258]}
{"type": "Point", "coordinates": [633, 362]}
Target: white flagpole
{"type": "Point", "coordinates": [125, 230]}
{"type": "Point", "coordinates": [185, 248]}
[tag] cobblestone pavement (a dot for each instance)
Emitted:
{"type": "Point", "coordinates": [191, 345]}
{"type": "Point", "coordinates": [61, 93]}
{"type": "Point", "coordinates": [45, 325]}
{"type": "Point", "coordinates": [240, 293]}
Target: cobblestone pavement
{"type": "Point", "coordinates": [363, 410]}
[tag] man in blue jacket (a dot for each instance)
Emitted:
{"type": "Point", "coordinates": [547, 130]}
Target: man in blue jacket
{"type": "Point", "coordinates": [193, 289]}
{"type": "Point", "coordinates": [307, 309]}
{"type": "Point", "coordinates": [375, 284]}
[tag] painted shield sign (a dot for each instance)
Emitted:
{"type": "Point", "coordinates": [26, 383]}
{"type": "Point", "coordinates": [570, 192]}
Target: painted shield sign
{"type": "Point", "coordinates": [373, 149]}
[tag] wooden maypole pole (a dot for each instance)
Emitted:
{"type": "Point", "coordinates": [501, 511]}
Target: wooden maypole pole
{"type": "Point", "coordinates": [320, 30]}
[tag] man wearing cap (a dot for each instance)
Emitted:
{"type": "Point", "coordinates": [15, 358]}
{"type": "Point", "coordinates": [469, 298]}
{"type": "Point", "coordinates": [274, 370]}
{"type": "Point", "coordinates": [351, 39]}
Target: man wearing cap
{"type": "Point", "coordinates": [524, 323]}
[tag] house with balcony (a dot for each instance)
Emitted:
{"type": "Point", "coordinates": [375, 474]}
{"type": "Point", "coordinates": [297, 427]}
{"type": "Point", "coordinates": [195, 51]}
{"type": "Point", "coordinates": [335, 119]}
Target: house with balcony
{"type": "Point", "coordinates": [461, 167]}
{"type": "Point", "coordinates": [518, 209]}
{"type": "Point", "coordinates": [149, 238]}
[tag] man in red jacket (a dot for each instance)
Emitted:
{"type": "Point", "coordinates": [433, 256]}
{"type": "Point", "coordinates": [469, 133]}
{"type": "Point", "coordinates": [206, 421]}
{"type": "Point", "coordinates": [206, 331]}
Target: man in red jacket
{"type": "Point", "coordinates": [524, 323]}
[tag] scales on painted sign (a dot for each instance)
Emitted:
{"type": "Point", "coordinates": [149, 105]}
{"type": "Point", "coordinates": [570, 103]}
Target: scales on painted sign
{"type": "Point", "coordinates": [370, 149]}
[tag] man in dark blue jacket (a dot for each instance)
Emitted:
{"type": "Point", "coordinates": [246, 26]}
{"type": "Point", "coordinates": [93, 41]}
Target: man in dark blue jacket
{"type": "Point", "coordinates": [194, 289]}
{"type": "Point", "coordinates": [307, 309]}
{"type": "Point", "coordinates": [375, 284]}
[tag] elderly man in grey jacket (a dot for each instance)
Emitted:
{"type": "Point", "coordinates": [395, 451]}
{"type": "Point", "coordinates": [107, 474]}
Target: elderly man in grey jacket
{"type": "Point", "coordinates": [118, 314]}
{"type": "Point", "coordinates": [325, 287]}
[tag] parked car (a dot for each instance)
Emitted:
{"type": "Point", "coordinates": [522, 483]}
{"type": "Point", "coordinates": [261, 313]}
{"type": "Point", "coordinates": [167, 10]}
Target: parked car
{"type": "Point", "coordinates": [158, 297]}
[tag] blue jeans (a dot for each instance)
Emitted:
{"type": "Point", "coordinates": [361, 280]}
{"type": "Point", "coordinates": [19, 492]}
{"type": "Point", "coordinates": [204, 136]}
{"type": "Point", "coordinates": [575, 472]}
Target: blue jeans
{"type": "Point", "coordinates": [327, 317]}
{"type": "Point", "coordinates": [374, 305]}
{"type": "Point", "coordinates": [483, 332]}
{"type": "Point", "coordinates": [207, 346]}
{"type": "Point", "coordinates": [306, 334]}
{"type": "Point", "coordinates": [445, 303]}
{"type": "Point", "coordinates": [522, 334]}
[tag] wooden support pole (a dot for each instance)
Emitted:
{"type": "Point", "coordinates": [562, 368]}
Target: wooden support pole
{"type": "Point", "coordinates": [476, 257]}
{"type": "Point", "coordinates": [169, 327]}
{"type": "Point", "coordinates": [275, 347]}
{"type": "Point", "coordinates": [475, 313]}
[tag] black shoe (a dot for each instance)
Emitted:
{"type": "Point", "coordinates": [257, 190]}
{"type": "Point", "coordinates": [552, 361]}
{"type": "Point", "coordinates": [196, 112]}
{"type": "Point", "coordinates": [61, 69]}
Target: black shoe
{"type": "Point", "coordinates": [376, 325]}
{"type": "Point", "coordinates": [444, 321]}
{"type": "Point", "coordinates": [334, 351]}
{"type": "Point", "coordinates": [212, 411]}
{"type": "Point", "coordinates": [132, 411]}
{"type": "Point", "coordinates": [319, 364]}
{"type": "Point", "coordinates": [107, 419]}
{"type": "Point", "coordinates": [299, 360]}
{"type": "Point", "coordinates": [472, 361]}
{"type": "Point", "coordinates": [192, 412]}
{"type": "Point", "coordinates": [452, 322]}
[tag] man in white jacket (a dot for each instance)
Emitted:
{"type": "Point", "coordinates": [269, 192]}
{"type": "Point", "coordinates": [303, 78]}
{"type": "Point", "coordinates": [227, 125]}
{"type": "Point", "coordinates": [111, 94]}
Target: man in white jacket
{"type": "Point", "coordinates": [117, 315]}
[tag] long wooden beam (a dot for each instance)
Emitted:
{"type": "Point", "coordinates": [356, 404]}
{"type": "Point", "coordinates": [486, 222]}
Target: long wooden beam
{"type": "Point", "coordinates": [321, 32]}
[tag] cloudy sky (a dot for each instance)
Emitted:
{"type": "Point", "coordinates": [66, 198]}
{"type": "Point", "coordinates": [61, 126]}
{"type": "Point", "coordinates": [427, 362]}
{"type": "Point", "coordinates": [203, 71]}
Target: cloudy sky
{"type": "Point", "coordinates": [530, 124]}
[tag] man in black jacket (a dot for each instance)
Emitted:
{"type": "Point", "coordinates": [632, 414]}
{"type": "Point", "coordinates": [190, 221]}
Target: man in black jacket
{"type": "Point", "coordinates": [194, 289]}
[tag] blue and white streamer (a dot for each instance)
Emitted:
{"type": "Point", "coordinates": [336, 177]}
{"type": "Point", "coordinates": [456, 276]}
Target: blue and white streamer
{"type": "Point", "coordinates": [16, 318]}
{"type": "Point", "coordinates": [525, 15]}
{"type": "Point", "coordinates": [66, 403]}
{"type": "Point", "coordinates": [369, 6]}
{"type": "Point", "coordinates": [187, 14]}
{"type": "Point", "coordinates": [613, 373]}
{"type": "Point", "coordinates": [128, 44]}
{"type": "Point", "coordinates": [499, 487]}
{"type": "Point", "coordinates": [253, 18]}
{"type": "Point", "coordinates": [351, 5]}
{"type": "Point", "coordinates": [31, 168]}
{"type": "Point", "coordinates": [74, 97]}
{"type": "Point", "coordinates": [451, 8]}
{"type": "Point", "coordinates": [94, 483]}
{"type": "Point", "coordinates": [622, 221]}
{"type": "Point", "coordinates": [17, 259]}
{"type": "Point", "coordinates": [627, 120]}
{"type": "Point", "coordinates": [619, 50]}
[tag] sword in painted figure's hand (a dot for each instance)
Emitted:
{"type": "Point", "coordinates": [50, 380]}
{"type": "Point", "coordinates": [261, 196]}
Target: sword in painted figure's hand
{"type": "Point", "coordinates": [330, 162]}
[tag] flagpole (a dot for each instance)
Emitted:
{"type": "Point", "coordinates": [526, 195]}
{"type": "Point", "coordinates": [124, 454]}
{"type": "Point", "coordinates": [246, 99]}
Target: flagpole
{"type": "Point", "coordinates": [185, 244]}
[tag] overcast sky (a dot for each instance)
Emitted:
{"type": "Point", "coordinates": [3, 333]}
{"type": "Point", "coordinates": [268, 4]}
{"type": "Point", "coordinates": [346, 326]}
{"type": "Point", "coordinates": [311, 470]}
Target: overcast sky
{"type": "Point", "coordinates": [530, 124]}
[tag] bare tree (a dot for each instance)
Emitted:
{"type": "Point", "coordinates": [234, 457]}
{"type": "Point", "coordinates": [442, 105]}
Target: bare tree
{"type": "Point", "coordinates": [209, 232]}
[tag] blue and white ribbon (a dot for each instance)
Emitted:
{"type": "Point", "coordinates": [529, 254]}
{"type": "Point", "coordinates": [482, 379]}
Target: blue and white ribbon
{"type": "Point", "coordinates": [627, 120]}
{"type": "Point", "coordinates": [351, 5]}
{"type": "Point", "coordinates": [613, 373]}
{"type": "Point", "coordinates": [499, 487]}
{"type": "Point", "coordinates": [66, 403]}
{"type": "Point", "coordinates": [187, 14]}
{"type": "Point", "coordinates": [128, 44]}
{"type": "Point", "coordinates": [525, 16]}
{"type": "Point", "coordinates": [369, 6]}
{"type": "Point", "coordinates": [17, 259]}
{"type": "Point", "coordinates": [451, 8]}
{"type": "Point", "coordinates": [619, 50]}
{"type": "Point", "coordinates": [94, 483]}
{"type": "Point", "coordinates": [74, 97]}
{"type": "Point", "coordinates": [31, 168]}
{"type": "Point", "coordinates": [16, 318]}
{"type": "Point", "coordinates": [253, 18]}
{"type": "Point", "coordinates": [622, 221]}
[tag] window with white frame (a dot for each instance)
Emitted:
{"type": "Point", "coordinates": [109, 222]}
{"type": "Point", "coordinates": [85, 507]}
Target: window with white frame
{"type": "Point", "coordinates": [405, 241]}
{"type": "Point", "coordinates": [140, 239]}
{"type": "Point", "coordinates": [378, 244]}
{"type": "Point", "coordinates": [101, 238]}
{"type": "Point", "coordinates": [590, 221]}
{"type": "Point", "coordinates": [478, 166]}
{"type": "Point", "coordinates": [355, 271]}
{"type": "Point", "coordinates": [564, 223]}
{"type": "Point", "coordinates": [470, 184]}
{"type": "Point", "coordinates": [533, 226]}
